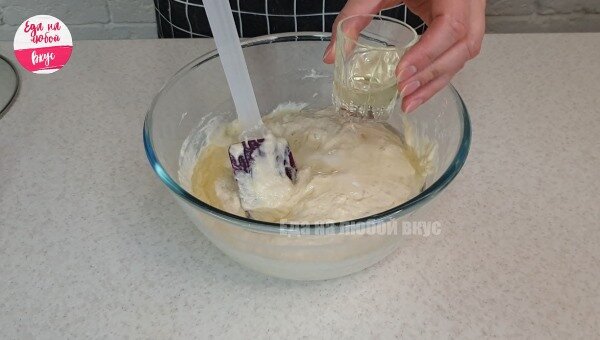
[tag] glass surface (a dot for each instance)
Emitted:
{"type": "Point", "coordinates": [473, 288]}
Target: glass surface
{"type": "Point", "coordinates": [8, 86]}
{"type": "Point", "coordinates": [283, 68]}
{"type": "Point", "coordinates": [365, 64]}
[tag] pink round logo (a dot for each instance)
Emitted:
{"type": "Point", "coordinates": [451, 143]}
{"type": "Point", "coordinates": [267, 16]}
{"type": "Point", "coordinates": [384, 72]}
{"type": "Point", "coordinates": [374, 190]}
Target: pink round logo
{"type": "Point", "coordinates": [43, 44]}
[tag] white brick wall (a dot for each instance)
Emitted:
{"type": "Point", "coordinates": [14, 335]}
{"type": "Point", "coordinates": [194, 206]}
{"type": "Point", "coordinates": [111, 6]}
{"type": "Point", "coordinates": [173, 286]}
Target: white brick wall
{"type": "Point", "coordinates": [87, 19]}
{"type": "Point", "coordinates": [123, 19]}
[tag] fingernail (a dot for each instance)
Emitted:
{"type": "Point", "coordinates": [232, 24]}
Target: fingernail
{"type": "Point", "coordinates": [327, 50]}
{"type": "Point", "coordinates": [410, 88]}
{"type": "Point", "coordinates": [406, 73]}
{"type": "Point", "coordinates": [413, 105]}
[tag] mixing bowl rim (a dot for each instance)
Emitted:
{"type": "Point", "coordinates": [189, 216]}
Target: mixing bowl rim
{"type": "Point", "coordinates": [271, 227]}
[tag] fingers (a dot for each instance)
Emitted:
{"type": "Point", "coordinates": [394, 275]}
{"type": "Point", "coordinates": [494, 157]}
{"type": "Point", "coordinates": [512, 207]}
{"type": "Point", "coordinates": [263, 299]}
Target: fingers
{"type": "Point", "coordinates": [477, 31]}
{"type": "Point", "coordinates": [352, 7]}
{"type": "Point", "coordinates": [430, 64]}
{"type": "Point", "coordinates": [446, 46]}
{"type": "Point", "coordinates": [443, 33]}
{"type": "Point", "coordinates": [415, 100]}
{"type": "Point", "coordinates": [422, 86]}
{"type": "Point", "coordinates": [448, 64]}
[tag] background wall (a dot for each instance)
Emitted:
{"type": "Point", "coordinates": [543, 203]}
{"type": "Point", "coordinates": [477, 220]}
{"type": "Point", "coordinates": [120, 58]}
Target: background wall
{"type": "Point", "coordinates": [87, 19]}
{"type": "Point", "coordinates": [511, 16]}
{"type": "Point", "coordinates": [123, 19]}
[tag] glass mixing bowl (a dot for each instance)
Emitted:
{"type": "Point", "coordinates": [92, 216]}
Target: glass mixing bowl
{"type": "Point", "coordinates": [284, 68]}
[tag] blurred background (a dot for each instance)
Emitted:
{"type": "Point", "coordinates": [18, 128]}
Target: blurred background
{"type": "Point", "coordinates": [136, 19]}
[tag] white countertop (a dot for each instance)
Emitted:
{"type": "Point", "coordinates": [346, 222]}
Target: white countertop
{"type": "Point", "coordinates": [92, 244]}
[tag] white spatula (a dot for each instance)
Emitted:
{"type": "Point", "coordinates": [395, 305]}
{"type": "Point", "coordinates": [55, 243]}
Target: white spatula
{"type": "Point", "coordinates": [253, 152]}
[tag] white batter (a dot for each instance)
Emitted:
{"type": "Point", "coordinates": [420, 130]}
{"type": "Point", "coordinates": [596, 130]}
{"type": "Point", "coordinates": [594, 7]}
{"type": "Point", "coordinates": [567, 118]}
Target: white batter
{"type": "Point", "coordinates": [346, 170]}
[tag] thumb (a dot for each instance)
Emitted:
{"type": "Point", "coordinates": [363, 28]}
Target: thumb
{"type": "Point", "coordinates": [352, 7]}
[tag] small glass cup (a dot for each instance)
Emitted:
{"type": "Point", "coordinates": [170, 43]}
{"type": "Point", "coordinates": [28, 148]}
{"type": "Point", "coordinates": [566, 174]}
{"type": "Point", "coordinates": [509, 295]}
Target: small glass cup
{"type": "Point", "coordinates": [366, 57]}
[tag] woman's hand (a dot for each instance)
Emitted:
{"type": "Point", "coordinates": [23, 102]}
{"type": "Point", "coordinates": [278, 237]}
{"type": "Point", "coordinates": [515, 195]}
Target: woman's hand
{"type": "Point", "coordinates": [454, 35]}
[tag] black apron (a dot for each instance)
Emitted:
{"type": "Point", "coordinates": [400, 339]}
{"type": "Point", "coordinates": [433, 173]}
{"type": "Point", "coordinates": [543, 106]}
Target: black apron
{"type": "Point", "coordinates": [187, 18]}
